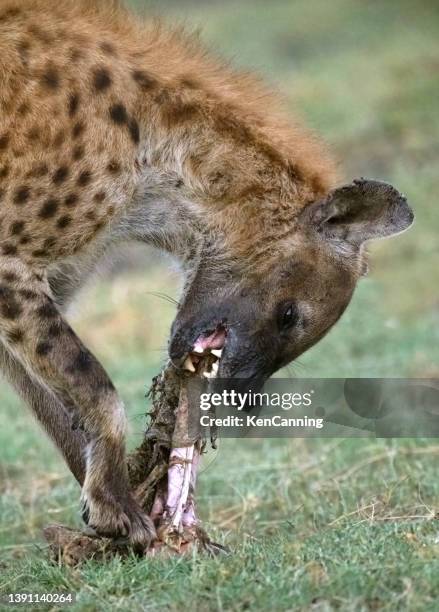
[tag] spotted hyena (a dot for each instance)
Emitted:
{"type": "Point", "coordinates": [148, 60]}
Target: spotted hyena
{"type": "Point", "coordinates": [115, 130]}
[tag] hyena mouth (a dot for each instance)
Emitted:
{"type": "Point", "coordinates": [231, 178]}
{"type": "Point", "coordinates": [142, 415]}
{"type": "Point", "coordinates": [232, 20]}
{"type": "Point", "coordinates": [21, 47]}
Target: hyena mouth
{"type": "Point", "coordinates": [206, 353]}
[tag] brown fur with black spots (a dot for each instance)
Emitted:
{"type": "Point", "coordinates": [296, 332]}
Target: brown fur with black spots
{"type": "Point", "coordinates": [114, 129]}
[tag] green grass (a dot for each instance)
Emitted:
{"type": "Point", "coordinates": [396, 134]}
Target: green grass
{"type": "Point", "coordinates": [321, 524]}
{"type": "Point", "coordinates": [343, 523]}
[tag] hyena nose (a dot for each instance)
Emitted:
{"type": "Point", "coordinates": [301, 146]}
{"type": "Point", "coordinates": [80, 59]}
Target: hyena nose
{"type": "Point", "coordinates": [201, 340]}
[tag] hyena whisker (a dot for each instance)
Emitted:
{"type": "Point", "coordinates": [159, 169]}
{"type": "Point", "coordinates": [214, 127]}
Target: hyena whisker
{"type": "Point", "coordinates": [163, 296]}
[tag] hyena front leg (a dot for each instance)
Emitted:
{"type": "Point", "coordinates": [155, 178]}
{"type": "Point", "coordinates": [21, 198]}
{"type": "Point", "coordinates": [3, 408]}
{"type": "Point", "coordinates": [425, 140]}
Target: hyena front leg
{"type": "Point", "coordinates": [49, 411]}
{"type": "Point", "coordinates": [34, 331]}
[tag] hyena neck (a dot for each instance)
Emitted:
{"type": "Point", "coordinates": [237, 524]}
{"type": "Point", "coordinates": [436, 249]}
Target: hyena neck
{"type": "Point", "coordinates": [215, 148]}
{"type": "Point", "coordinates": [163, 215]}
{"type": "Point", "coordinates": [217, 176]}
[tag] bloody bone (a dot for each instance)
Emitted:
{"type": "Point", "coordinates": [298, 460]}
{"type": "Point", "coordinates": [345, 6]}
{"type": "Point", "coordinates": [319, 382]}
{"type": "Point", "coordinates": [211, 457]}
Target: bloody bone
{"type": "Point", "coordinates": [162, 474]}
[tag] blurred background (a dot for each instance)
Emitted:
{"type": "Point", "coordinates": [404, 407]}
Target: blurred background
{"type": "Point", "coordinates": [365, 76]}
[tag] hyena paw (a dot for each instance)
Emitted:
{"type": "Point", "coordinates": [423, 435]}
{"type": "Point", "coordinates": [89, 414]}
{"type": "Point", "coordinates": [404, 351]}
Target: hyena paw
{"type": "Point", "coordinates": [111, 518]}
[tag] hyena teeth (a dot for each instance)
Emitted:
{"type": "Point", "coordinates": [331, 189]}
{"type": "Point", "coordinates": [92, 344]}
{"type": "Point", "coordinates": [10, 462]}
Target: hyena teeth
{"type": "Point", "coordinates": [198, 349]}
{"type": "Point", "coordinates": [209, 374]}
{"type": "Point", "coordinates": [188, 365]}
{"type": "Point", "coordinates": [215, 367]}
{"type": "Point", "coordinates": [217, 352]}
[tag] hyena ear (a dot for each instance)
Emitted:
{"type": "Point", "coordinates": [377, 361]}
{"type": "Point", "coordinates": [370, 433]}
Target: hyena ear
{"type": "Point", "coordinates": [358, 212]}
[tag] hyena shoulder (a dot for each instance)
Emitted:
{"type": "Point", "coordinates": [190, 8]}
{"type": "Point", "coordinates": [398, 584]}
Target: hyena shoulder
{"type": "Point", "coordinates": [69, 128]}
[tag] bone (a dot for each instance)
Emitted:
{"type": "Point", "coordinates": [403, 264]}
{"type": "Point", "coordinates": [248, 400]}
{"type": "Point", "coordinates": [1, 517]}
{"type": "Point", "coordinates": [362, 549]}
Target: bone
{"type": "Point", "coordinates": [179, 477]}
{"type": "Point", "coordinates": [180, 469]}
{"type": "Point", "coordinates": [190, 518]}
{"type": "Point", "coordinates": [178, 513]}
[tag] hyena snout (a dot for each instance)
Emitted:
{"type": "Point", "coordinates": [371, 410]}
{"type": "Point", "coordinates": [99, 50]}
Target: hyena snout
{"type": "Point", "coordinates": [197, 338]}
{"type": "Point", "coordinates": [231, 339]}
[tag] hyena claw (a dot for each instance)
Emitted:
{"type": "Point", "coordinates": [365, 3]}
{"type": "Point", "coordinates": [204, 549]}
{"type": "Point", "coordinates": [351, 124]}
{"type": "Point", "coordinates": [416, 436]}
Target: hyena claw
{"type": "Point", "coordinates": [125, 520]}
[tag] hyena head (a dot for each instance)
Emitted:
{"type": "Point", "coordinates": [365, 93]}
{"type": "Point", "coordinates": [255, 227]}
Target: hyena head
{"type": "Point", "coordinates": [270, 292]}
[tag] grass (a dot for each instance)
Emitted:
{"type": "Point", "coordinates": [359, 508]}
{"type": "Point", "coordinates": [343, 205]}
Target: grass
{"type": "Point", "coordinates": [347, 524]}
{"type": "Point", "coordinates": [321, 524]}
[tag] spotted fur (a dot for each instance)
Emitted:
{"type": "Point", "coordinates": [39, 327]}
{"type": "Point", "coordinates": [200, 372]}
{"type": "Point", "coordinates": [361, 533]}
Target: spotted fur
{"type": "Point", "coordinates": [113, 129]}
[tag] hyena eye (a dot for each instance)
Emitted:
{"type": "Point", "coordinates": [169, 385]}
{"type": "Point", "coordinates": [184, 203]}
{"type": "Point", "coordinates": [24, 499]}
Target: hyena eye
{"type": "Point", "coordinates": [288, 315]}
